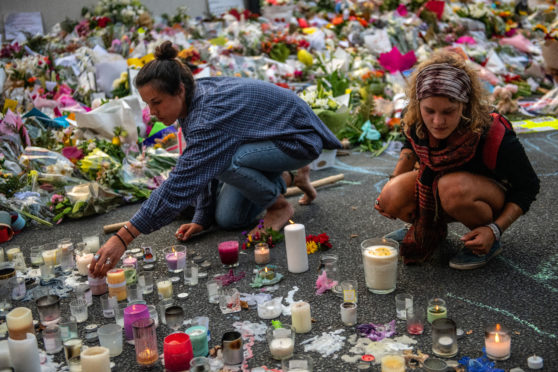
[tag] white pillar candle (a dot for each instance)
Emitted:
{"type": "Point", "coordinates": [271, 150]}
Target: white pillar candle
{"type": "Point", "coordinates": [95, 359]}
{"type": "Point", "coordinates": [380, 267]}
{"type": "Point", "coordinates": [301, 317]}
{"type": "Point", "coordinates": [50, 257]}
{"type": "Point", "coordinates": [348, 313]}
{"type": "Point", "coordinates": [5, 361]}
{"type": "Point", "coordinates": [281, 347]}
{"type": "Point", "coordinates": [295, 242]}
{"type": "Point", "coordinates": [25, 354]}
{"type": "Point", "coordinates": [20, 322]}
{"type": "Point", "coordinates": [83, 262]}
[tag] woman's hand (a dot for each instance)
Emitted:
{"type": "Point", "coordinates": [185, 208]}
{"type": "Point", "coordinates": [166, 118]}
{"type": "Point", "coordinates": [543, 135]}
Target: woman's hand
{"type": "Point", "coordinates": [107, 257]}
{"type": "Point", "coordinates": [479, 240]}
{"type": "Point", "coordinates": [186, 231]}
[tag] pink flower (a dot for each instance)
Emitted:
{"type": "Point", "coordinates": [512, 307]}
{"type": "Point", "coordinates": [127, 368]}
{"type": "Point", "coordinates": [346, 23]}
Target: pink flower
{"type": "Point", "coordinates": [56, 198]}
{"type": "Point", "coordinates": [146, 115]}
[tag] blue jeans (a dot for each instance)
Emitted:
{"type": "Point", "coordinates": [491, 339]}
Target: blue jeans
{"type": "Point", "coordinates": [252, 183]}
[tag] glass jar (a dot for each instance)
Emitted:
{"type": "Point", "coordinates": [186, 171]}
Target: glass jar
{"type": "Point", "coordinates": [328, 265]}
{"type": "Point", "coordinates": [52, 339]}
{"type": "Point", "coordinates": [380, 256]}
{"type": "Point", "coordinates": [145, 342]}
{"type": "Point", "coordinates": [444, 338]}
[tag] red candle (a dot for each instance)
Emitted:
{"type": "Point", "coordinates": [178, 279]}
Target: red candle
{"type": "Point", "coordinates": [177, 350]}
{"type": "Point", "coordinates": [228, 252]}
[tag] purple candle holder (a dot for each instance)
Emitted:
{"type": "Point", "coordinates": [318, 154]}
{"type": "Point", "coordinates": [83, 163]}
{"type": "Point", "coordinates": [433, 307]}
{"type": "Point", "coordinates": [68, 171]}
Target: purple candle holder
{"type": "Point", "coordinates": [131, 314]}
{"type": "Point", "coordinates": [176, 258]}
{"type": "Point", "coordinates": [228, 252]}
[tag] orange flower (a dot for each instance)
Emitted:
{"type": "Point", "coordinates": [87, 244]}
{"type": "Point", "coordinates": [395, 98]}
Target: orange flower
{"type": "Point", "coordinates": [393, 122]}
{"type": "Point", "coordinates": [31, 80]}
{"type": "Point", "coordinates": [337, 20]}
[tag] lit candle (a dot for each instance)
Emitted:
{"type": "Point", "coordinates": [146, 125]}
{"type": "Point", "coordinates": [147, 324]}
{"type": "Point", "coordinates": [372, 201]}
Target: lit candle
{"type": "Point", "coordinates": [83, 261]}
{"type": "Point", "coordinates": [380, 268]}
{"type": "Point", "coordinates": [25, 353]}
{"type": "Point", "coordinates": [393, 363]}
{"type": "Point", "coordinates": [295, 242]}
{"type": "Point", "coordinates": [50, 257]}
{"type": "Point", "coordinates": [10, 253]}
{"type": "Point", "coordinates": [147, 357]}
{"type": "Point", "coordinates": [301, 317]}
{"type": "Point", "coordinates": [20, 322]}
{"type": "Point", "coordinates": [164, 288]}
{"type": "Point", "coordinates": [261, 253]}
{"type": "Point", "coordinates": [436, 310]}
{"type": "Point", "coordinates": [177, 351]}
{"type": "Point", "coordinates": [497, 341]}
{"type": "Point", "coordinates": [198, 337]}
{"type": "Point", "coordinates": [281, 348]}
{"type": "Point", "coordinates": [92, 243]}
{"type": "Point", "coordinates": [267, 273]}
{"type": "Point", "coordinates": [131, 314]}
{"type": "Point", "coordinates": [176, 260]}
{"type": "Point", "coordinates": [130, 261]}
{"type": "Point", "coordinates": [95, 359]}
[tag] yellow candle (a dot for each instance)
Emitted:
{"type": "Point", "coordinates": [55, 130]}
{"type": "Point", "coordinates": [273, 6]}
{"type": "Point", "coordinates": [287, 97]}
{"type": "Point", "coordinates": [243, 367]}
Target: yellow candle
{"type": "Point", "coordinates": [164, 287]}
{"type": "Point", "coordinates": [20, 322]}
{"type": "Point", "coordinates": [49, 257]}
{"type": "Point", "coordinates": [393, 363]}
{"type": "Point", "coordinates": [95, 359]}
{"type": "Point", "coordinates": [12, 252]}
{"type": "Point", "coordinates": [301, 318]}
{"type": "Point", "coordinates": [115, 276]}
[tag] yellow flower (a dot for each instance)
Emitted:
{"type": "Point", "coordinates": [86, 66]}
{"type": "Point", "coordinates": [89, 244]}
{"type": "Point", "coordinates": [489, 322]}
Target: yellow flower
{"type": "Point", "coordinates": [116, 140]}
{"type": "Point", "coordinates": [540, 27]}
{"type": "Point", "coordinates": [311, 247]}
{"type": "Point", "coordinates": [305, 57]}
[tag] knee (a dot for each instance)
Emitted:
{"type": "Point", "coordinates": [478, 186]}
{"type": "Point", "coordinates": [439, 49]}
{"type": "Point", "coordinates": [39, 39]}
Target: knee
{"type": "Point", "coordinates": [453, 191]}
{"type": "Point", "coordinates": [228, 221]}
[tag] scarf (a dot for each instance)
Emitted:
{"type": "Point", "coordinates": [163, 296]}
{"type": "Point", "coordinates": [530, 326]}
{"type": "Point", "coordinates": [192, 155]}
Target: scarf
{"type": "Point", "coordinates": [430, 226]}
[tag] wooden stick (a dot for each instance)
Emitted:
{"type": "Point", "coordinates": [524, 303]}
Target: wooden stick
{"type": "Point", "coordinates": [321, 182]}
{"type": "Point", "coordinates": [113, 227]}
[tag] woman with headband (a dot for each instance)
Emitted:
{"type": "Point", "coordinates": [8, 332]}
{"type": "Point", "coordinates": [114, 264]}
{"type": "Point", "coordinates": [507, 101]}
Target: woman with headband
{"type": "Point", "coordinates": [472, 168]}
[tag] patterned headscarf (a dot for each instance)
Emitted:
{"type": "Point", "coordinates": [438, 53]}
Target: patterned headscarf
{"type": "Point", "coordinates": [442, 79]}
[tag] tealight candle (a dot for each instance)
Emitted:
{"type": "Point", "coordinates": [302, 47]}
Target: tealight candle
{"type": "Point", "coordinates": [497, 340]}
{"type": "Point", "coordinates": [10, 253]}
{"type": "Point", "coordinates": [164, 288]}
{"type": "Point", "coordinates": [535, 362]}
{"type": "Point", "coordinates": [198, 337]}
{"type": "Point", "coordinates": [301, 317]}
{"type": "Point", "coordinates": [82, 261]}
{"type": "Point", "coordinates": [267, 273]}
{"type": "Point", "coordinates": [436, 310]}
{"type": "Point", "coordinates": [130, 261]}
{"type": "Point", "coordinates": [261, 253]}
{"type": "Point", "coordinates": [20, 322]}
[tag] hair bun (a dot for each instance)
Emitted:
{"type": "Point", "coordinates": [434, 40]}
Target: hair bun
{"type": "Point", "coordinates": [166, 51]}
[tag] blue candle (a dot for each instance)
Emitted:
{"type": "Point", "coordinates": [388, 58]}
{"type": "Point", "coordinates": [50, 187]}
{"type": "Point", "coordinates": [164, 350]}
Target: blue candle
{"type": "Point", "coordinates": [198, 337]}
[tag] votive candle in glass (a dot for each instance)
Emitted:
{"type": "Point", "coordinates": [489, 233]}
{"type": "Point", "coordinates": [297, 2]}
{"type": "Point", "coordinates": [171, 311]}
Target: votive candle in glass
{"type": "Point", "coordinates": [198, 338]}
{"type": "Point", "coordinates": [281, 341]}
{"type": "Point", "coordinates": [49, 309]}
{"type": "Point", "coordinates": [436, 310]}
{"type": "Point", "coordinates": [130, 260]}
{"type": "Point", "coordinates": [444, 338]}
{"type": "Point", "coordinates": [176, 258]}
{"type": "Point", "coordinates": [228, 253]}
{"type": "Point", "coordinates": [52, 339]}
{"type": "Point", "coordinates": [131, 314]}
{"type": "Point", "coordinates": [177, 351]}
{"type": "Point", "coordinates": [380, 258]}
{"type": "Point", "coordinates": [49, 256]}
{"type": "Point", "coordinates": [110, 336]}
{"type": "Point", "coordinates": [20, 322]}
{"type": "Point", "coordinates": [145, 341]}
{"type": "Point", "coordinates": [11, 252]}
{"type": "Point", "coordinates": [497, 341]}
{"type": "Point", "coordinates": [95, 359]}
{"type": "Point", "coordinates": [164, 288]}
{"type": "Point", "coordinates": [261, 253]}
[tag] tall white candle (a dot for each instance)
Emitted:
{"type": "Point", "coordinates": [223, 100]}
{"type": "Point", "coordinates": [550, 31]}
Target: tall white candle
{"type": "Point", "coordinates": [25, 354]}
{"type": "Point", "coordinates": [95, 359]}
{"type": "Point", "coordinates": [380, 267]}
{"type": "Point", "coordinates": [301, 317]}
{"type": "Point", "coordinates": [295, 242]}
{"type": "Point", "coordinates": [5, 361]}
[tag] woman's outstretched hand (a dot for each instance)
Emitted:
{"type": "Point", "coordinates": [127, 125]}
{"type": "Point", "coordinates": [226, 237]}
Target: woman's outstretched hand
{"type": "Point", "coordinates": [107, 257]}
{"type": "Point", "coordinates": [186, 231]}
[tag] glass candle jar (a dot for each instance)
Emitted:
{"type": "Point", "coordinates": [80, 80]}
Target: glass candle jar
{"type": "Point", "coordinates": [393, 363]}
{"type": "Point", "coordinates": [131, 314]}
{"type": "Point", "coordinates": [296, 362]}
{"type": "Point", "coordinates": [261, 254]}
{"type": "Point", "coordinates": [349, 313]}
{"type": "Point", "coordinates": [84, 291]}
{"type": "Point", "coordinates": [497, 341]}
{"type": "Point", "coordinates": [72, 348]}
{"type": "Point", "coordinates": [83, 260]}
{"type": "Point", "coordinates": [52, 339]}
{"type": "Point", "coordinates": [228, 253]}
{"type": "Point", "coordinates": [444, 338]}
{"type": "Point", "coordinates": [36, 256]}
{"type": "Point", "coordinates": [198, 338]}
{"type": "Point", "coordinates": [380, 256]}
{"type": "Point", "coordinates": [200, 364]}
{"type": "Point", "coordinates": [177, 351]}
{"type": "Point", "coordinates": [175, 256]}
{"type": "Point", "coordinates": [68, 327]}
{"type": "Point", "coordinates": [130, 273]}
{"type": "Point", "coordinates": [329, 266]}
{"type": "Point", "coordinates": [349, 290]}
{"type": "Point", "coordinates": [436, 309]}
{"type": "Point", "coordinates": [49, 309]}
{"type": "Point", "coordinates": [110, 336]}
{"type": "Point", "coordinates": [18, 288]}
{"type": "Point", "coordinates": [281, 341]}
{"type": "Point", "coordinates": [164, 288]}
{"type": "Point", "coordinates": [213, 288]}
{"type": "Point", "coordinates": [145, 280]}
{"type": "Point", "coordinates": [145, 341]}
{"type": "Point", "coordinates": [78, 309]}
{"type": "Point", "coordinates": [98, 286]}
{"type": "Point", "coordinates": [232, 346]}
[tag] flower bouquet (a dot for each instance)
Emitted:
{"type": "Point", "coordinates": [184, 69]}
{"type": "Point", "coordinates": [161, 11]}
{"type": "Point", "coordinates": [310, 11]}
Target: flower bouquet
{"type": "Point", "coordinates": [268, 235]}
{"type": "Point", "coordinates": [316, 243]}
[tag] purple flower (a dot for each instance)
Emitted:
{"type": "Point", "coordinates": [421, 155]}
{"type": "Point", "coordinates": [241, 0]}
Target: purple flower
{"type": "Point", "coordinates": [377, 332]}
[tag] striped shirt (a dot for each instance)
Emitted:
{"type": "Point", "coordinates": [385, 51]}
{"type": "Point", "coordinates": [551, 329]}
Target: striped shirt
{"type": "Point", "coordinates": [226, 113]}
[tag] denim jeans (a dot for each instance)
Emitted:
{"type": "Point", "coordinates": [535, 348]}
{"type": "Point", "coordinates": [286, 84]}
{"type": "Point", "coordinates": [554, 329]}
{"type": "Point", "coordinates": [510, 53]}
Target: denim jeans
{"type": "Point", "coordinates": [252, 183]}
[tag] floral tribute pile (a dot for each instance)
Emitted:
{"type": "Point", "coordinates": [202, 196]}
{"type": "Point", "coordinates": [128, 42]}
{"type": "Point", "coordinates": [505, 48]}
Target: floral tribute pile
{"type": "Point", "coordinates": [64, 155]}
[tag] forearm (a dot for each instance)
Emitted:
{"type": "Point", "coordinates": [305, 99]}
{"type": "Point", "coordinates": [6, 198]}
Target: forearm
{"type": "Point", "coordinates": [406, 162]}
{"type": "Point", "coordinates": [510, 213]}
{"type": "Point", "coordinates": [128, 233]}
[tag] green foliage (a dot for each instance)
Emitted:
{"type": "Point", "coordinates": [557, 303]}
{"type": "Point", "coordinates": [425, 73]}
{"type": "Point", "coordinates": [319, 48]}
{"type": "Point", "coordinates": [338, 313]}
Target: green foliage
{"type": "Point", "coordinates": [280, 52]}
{"type": "Point", "coordinates": [10, 184]}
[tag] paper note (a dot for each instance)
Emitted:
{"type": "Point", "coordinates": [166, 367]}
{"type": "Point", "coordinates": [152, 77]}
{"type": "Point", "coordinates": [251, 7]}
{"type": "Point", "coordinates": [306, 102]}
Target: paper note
{"type": "Point", "coordinates": [25, 22]}
{"type": "Point", "coordinates": [218, 7]}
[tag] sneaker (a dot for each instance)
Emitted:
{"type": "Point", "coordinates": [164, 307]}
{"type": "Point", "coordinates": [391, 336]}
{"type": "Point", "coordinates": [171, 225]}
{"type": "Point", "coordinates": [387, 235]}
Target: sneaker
{"type": "Point", "coordinates": [398, 235]}
{"type": "Point", "coordinates": [467, 260]}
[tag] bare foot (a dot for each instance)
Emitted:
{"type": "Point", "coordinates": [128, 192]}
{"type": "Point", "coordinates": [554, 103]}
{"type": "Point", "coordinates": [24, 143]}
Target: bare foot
{"type": "Point", "coordinates": [302, 181]}
{"type": "Point", "coordinates": [278, 215]}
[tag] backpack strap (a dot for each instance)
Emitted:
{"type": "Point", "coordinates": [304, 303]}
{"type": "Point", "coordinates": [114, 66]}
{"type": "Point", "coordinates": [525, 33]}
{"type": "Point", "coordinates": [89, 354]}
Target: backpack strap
{"type": "Point", "coordinates": [494, 139]}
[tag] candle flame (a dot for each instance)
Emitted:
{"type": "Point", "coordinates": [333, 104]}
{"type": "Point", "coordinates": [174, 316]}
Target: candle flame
{"type": "Point", "coordinates": [436, 308]}
{"type": "Point", "coordinates": [173, 251]}
{"type": "Point", "coordinates": [496, 338]}
{"type": "Point", "coordinates": [498, 327]}
{"type": "Point", "coordinates": [266, 269]}
{"type": "Point", "coordinates": [291, 221]}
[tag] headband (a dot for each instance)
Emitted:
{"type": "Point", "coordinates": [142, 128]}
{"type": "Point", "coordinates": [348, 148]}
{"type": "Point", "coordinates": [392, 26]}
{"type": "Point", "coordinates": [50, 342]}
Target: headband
{"type": "Point", "coordinates": [442, 79]}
